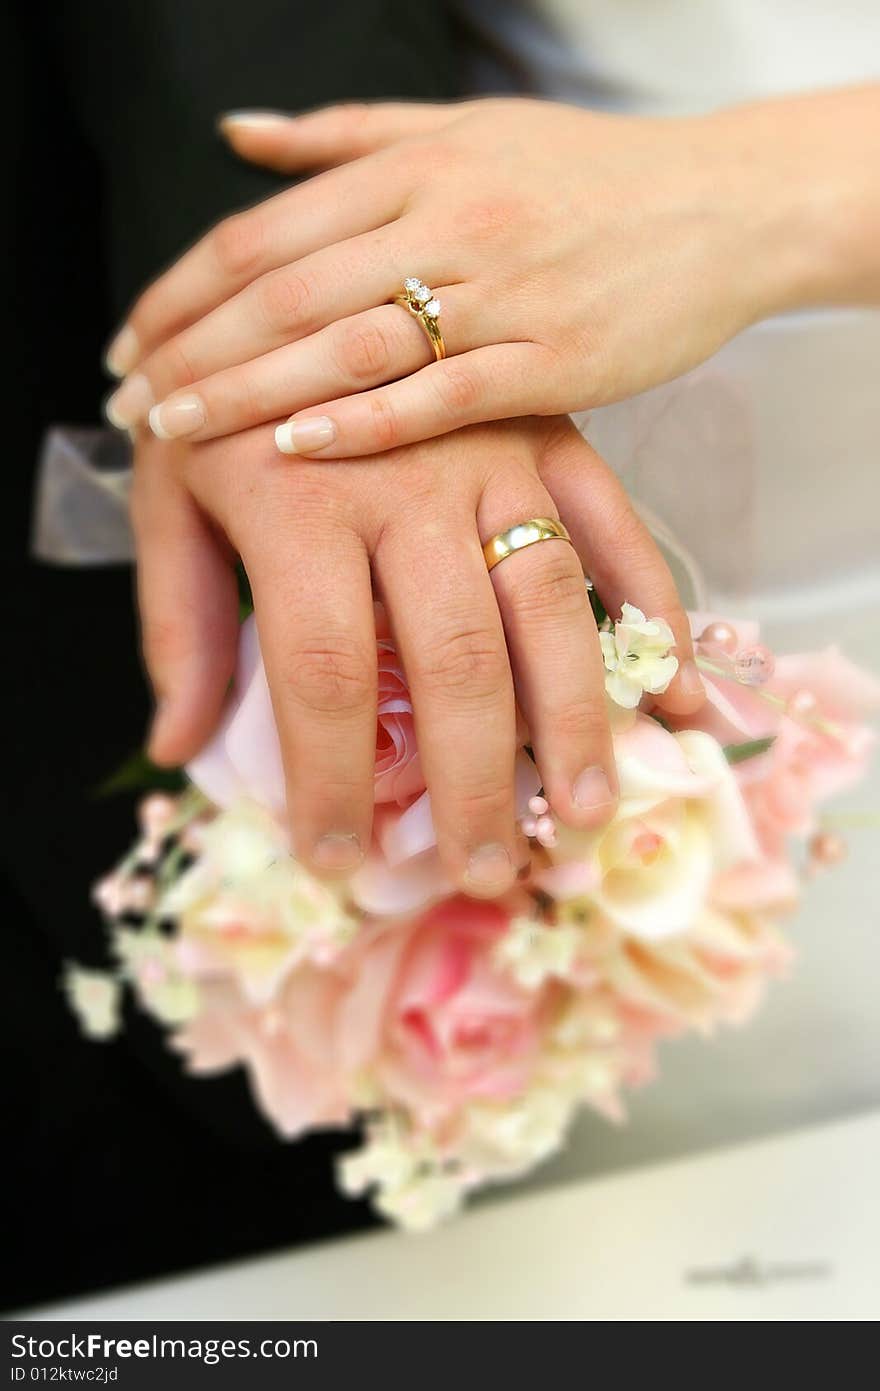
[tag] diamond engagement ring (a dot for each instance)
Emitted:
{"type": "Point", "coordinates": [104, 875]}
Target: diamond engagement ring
{"type": "Point", "coordinates": [420, 301]}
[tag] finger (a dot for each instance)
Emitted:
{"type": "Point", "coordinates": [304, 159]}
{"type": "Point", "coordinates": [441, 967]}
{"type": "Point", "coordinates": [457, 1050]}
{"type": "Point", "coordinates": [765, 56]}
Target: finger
{"type": "Point", "coordinates": [327, 209]}
{"type": "Point", "coordinates": [320, 657]}
{"type": "Point", "coordinates": [349, 356]}
{"type": "Point", "coordinates": [319, 139]}
{"type": "Point", "coordinates": [188, 604]}
{"type": "Point", "coordinates": [618, 551]}
{"type": "Point", "coordinates": [489, 383]}
{"type": "Point", "coordinates": [554, 649]}
{"type": "Point", "coordinates": [284, 306]}
{"type": "Point", "coordinates": [456, 664]}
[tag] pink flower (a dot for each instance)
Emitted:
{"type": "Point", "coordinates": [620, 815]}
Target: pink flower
{"type": "Point", "coordinates": [402, 873]}
{"type": "Point", "coordinates": [451, 1027]}
{"type": "Point", "coordinates": [420, 1009]}
{"type": "Point", "coordinates": [815, 712]}
{"type": "Point", "coordinates": [243, 759]}
{"type": "Point", "coordinates": [399, 776]}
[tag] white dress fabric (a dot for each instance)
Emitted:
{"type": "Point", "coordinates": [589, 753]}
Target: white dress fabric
{"type": "Point", "coordinates": [765, 464]}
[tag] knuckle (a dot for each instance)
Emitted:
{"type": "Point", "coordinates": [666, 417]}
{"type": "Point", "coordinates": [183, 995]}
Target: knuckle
{"type": "Point", "coordinates": [363, 353]}
{"type": "Point", "coordinates": [486, 804]}
{"type": "Point", "coordinates": [251, 397]}
{"type": "Point", "coordinates": [174, 365]}
{"type": "Point", "coordinates": [165, 641]}
{"type": "Point", "coordinates": [459, 388]}
{"type": "Point", "coordinates": [354, 121]}
{"type": "Point", "coordinates": [550, 587]}
{"type": "Point", "coordinates": [384, 429]}
{"type": "Point", "coordinates": [285, 299]}
{"type": "Point", "coordinates": [580, 721]}
{"type": "Point", "coordinates": [330, 678]}
{"type": "Point", "coordinates": [237, 244]}
{"type": "Point", "coordinates": [465, 663]}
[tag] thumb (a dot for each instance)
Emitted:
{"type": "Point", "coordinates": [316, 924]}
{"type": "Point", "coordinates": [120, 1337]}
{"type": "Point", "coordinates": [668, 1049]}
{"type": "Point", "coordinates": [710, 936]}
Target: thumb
{"type": "Point", "coordinates": [188, 603]}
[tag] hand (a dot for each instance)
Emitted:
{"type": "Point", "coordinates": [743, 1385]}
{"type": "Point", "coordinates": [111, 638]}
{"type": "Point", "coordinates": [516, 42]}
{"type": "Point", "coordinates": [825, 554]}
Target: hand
{"type": "Point", "coordinates": [578, 258]}
{"type": "Point", "coordinates": [415, 519]}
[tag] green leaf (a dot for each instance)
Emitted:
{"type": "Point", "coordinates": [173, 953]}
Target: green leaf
{"type": "Point", "coordinates": [140, 773]}
{"type": "Point", "coordinates": [738, 753]}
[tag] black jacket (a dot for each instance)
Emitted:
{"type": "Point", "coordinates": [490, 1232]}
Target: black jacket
{"type": "Point", "coordinates": [118, 1167]}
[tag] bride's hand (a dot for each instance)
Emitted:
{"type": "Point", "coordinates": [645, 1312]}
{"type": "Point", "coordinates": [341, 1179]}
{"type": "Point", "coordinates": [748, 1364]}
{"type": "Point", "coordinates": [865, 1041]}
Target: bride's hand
{"type": "Point", "coordinates": [578, 258]}
{"type": "Point", "coordinates": [414, 520]}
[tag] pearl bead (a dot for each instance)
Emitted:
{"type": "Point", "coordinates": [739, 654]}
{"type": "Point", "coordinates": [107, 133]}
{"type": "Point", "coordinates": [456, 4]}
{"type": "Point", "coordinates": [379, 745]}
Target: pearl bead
{"type": "Point", "coordinates": [754, 665]}
{"type": "Point", "coordinates": [720, 636]}
{"type": "Point", "coordinates": [539, 805]}
{"type": "Point", "coordinates": [529, 825]}
{"type": "Point", "coordinates": [827, 848]}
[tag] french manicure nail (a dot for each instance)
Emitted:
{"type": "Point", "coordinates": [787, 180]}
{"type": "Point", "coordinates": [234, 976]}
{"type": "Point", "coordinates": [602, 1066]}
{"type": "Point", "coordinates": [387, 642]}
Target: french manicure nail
{"type": "Point", "coordinates": [130, 402]}
{"type": "Point", "coordinates": [489, 869]}
{"type": "Point", "coordinates": [690, 680]}
{"type": "Point", "coordinates": [305, 436]}
{"type": "Point", "coordinates": [244, 120]}
{"type": "Point", "coordinates": [180, 415]}
{"type": "Point", "coordinates": [122, 353]}
{"type": "Point", "coordinates": [337, 853]}
{"type": "Point", "coordinates": [591, 790]}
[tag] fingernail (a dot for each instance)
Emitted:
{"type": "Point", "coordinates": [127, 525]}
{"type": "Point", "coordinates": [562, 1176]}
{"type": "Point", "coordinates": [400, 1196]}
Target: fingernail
{"type": "Point", "coordinates": [490, 869]}
{"type": "Point", "coordinates": [690, 681]}
{"type": "Point", "coordinates": [179, 415]}
{"type": "Point", "coordinates": [244, 120]}
{"type": "Point", "coordinates": [305, 436]}
{"type": "Point", "coordinates": [337, 853]}
{"type": "Point", "coordinates": [130, 403]}
{"type": "Point", "coordinates": [122, 353]}
{"type": "Point", "coordinates": [591, 790]}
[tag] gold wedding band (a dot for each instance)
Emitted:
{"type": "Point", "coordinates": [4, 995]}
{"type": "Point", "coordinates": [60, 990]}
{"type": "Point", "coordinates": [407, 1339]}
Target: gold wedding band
{"type": "Point", "coordinates": [516, 538]}
{"type": "Point", "coordinates": [422, 304]}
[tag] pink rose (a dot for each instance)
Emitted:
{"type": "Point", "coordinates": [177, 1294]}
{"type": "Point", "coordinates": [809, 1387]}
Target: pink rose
{"type": "Point", "coordinates": [399, 776]}
{"type": "Point", "coordinates": [816, 753]}
{"type": "Point", "coordinates": [421, 1008]}
{"type": "Point", "coordinates": [243, 759]}
{"type": "Point", "coordinates": [451, 1027]}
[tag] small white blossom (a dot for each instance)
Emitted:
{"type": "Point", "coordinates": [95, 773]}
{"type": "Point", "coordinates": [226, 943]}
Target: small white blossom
{"type": "Point", "coordinates": [410, 1184]}
{"type": "Point", "coordinates": [147, 960]}
{"type": "Point", "coordinates": [533, 952]}
{"type": "Point", "coordinates": [637, 657]}
{"type": "Point", "coordinates": [94, 997]}
{"type": "Point", "coordinates": [423, 1203]}
{"type": "Point", "coordinates": [508, 1139]}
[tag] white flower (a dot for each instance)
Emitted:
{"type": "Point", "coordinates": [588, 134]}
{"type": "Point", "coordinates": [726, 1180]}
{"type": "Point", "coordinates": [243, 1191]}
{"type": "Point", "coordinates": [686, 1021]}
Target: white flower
{"type": "Point", "coordinates": [418, 1206]}
{"type": "Point", "coordinates": [637, 657]}
{"type": "Point", "coordinates": [251, 908]}
{"type": "Point", "coordinates": [94, 997]}
{"type": "Point", "coordinates": [148, 961]}
{"type": "Point", "coordinates": [503, 1140]}
{"type": "Point", "coordinates": [412, 1186]}
{"type": "Point", "coordinates": [681, 820]}
{"type": "Point", "coordinates": [533, 952]}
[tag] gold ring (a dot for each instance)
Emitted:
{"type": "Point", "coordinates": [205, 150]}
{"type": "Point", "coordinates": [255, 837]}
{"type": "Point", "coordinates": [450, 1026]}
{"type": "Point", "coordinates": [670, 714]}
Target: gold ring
{"type": "Point", "coordinates": [422, 304]}
{"type": "Point", "coordinates": [524, 534]}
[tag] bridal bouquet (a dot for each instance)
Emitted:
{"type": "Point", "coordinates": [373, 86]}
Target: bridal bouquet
{"type": "Point", "coordinates": [462, 1035]}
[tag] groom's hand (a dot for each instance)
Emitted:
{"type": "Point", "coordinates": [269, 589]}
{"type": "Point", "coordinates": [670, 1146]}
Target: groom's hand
{"type": "Point", "coordinates": [311, 536]}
